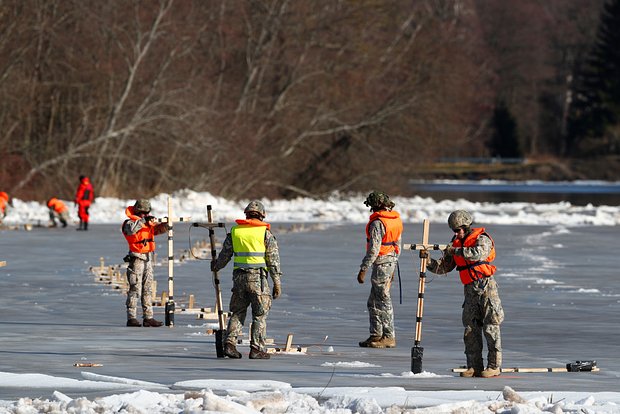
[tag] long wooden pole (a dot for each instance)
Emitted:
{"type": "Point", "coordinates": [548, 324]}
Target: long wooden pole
{"type": "Point", "coordinates": [219, 334]}
{"type": "Point", "coordinates": [170, 219]}
{"type": "Point", "coordinates": [170, 303]}
{"type": "Point", "coordinates": [417, 351]}
{"type": "Point", "coordinates": [216, 278]}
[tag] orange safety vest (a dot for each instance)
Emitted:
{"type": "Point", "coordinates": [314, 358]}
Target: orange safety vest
{"type": "Point", "coordinates": [57, 205]}
{"type": "Point", "coordinates": [474, 270]}
{"type": "Point", "coordinates": [144, 240]}
{"type": "Point", "coordinates": [393, 229]}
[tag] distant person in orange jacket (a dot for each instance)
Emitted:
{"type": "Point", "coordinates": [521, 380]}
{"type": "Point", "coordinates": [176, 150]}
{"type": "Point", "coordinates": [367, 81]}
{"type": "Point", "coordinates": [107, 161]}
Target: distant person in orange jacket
{"type": "Point", "coordinates": [58, 210]}
{"type": "Point", "coordinates": [4, 202]}
{"type": "Point", "coordinates": [84, 197]}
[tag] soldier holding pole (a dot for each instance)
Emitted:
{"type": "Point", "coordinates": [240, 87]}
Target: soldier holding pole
{"type": "Point", "coordinates": [471, 252]}
{"type": "Point", "coordinates": [256, 254]}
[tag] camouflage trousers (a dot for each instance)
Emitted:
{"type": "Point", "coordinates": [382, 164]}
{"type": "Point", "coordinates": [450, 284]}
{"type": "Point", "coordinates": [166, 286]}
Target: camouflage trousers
{"type": "Point", "coordinates": [140, 279]}
{"type": "Point", "coordinates": [62, 217]}
{"type": "Point", "coordinates": [380, 311]}
{"type": "Point", "coordinates": [250, 288]}
{"type": "Point", "coordinates": [482, 314]}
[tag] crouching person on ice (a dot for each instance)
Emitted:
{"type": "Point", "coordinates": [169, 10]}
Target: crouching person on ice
{"type": "Point", "coordinates": [140, 230]}
{"type": "Point", "coordinates": [256, 254]}
{"type": "Point", "coordinates": [471, 252]}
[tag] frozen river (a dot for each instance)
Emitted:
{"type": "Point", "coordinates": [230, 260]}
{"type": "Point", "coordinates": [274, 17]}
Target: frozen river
{"type": "Point", "coordinates": [559, 287]}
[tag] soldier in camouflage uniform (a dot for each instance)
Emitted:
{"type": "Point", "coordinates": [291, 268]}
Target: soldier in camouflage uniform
{"type": "Point", "coordinates": [383, 241]}
{"type": "Point", "coordinates": [471, 252]}
{"type": "Point", "coordinates": [256, 254]}
{"type": "Point", "coordinates": [140, 231]}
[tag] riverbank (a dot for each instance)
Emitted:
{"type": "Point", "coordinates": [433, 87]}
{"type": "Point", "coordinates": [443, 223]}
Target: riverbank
{"type": "Point", "coordinates": [605, 168]}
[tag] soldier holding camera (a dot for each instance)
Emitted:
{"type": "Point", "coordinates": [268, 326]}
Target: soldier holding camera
{"type": "Point", "coordinates": [140, 230]}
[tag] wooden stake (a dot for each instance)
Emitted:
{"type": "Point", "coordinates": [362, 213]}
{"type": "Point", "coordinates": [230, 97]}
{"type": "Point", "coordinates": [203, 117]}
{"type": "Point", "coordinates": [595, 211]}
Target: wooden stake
{"type": "Point", "coordinates": [289, 342]}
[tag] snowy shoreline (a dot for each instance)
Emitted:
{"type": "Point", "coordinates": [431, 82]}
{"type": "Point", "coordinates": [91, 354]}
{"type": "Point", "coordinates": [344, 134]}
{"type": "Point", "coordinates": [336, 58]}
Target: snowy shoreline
{"type": "Point", "coordinates": [335, 209]}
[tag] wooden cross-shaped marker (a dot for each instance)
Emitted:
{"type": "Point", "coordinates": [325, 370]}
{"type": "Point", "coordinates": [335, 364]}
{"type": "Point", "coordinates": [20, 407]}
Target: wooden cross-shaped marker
{"type": "Point", "coordinates": [417, 351]}
{"type": "Point", "coordinates": [170, 219]}
{"type": "Point", "coordinates": [219, 334]}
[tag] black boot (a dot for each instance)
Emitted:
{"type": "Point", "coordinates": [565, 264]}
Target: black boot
{"type": "Point", "coordinates": [133, 322]}
{"type": "Point", "coordinates": [150, 322]}
{"type": "Point", "coordinates": [81, 225]}
{"type": "Point", "coordinates": [86, 225]}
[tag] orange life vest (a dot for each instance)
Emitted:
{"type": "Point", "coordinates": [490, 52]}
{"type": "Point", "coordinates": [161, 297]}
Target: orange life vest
{"type": "Point", "coordinates": [253, 222]}
{"type": "Point", "coordinates": [474, 270]}
{"type": "Point", "coordinates": [57, 205]}
{"type": "Point", "coordinates": [143, 241]}
{"type": "Point", "coordinates": [393, 229]}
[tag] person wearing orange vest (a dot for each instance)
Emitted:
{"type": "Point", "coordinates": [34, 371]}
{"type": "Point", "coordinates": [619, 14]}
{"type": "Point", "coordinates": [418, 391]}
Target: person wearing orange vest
{"type": "Point", "coordinates": [140, 230]}
{"type": "Point", "coordinates": [4, 202]}
{"type": "Point", "coordinates": [472, 251]}
{"type": "Point", "coordinates": [383, 244]}
{"type": "Point", "coordinates": [255, 254]}
{"type": "Point", "coordinates": [58, 210]}
{"type": "Point", "coordinates": [84, 197]}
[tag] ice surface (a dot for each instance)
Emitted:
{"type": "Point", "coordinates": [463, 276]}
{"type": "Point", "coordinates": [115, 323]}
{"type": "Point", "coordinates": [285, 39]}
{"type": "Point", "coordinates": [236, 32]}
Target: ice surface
{"type": "Point", "coordinates": [557, 278]}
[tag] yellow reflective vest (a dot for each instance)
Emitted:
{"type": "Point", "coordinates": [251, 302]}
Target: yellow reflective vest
{"type": "Point", "coordinates": [248, 240]}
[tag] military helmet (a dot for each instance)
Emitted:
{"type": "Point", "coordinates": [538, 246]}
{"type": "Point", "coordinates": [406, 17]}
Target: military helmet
{"type": "Point", "coordinates": [460, 218]}
{"type": "Point", "coordinates": [255, 206]}
{"type": "Point", "coordinates": [378, 200]}
{"type": "Point", "coordinates": [142, 206]}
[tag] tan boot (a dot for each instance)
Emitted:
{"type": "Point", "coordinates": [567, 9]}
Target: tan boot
{"type": "Point", "coordinates": [491, 372]}
{"type": "Point", "coordinates": [371, 338]}
{"type": "Point", "coordinates": [469, 373]}
{"type": "Point", "coordinates": [384, 342]}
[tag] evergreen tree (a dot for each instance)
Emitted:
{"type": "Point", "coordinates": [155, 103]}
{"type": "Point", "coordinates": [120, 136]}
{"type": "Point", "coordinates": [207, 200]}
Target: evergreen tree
{"type": "Point", "coordinates": [595, 110]}
{"type": "Point", "coordinates": [504, 141]}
